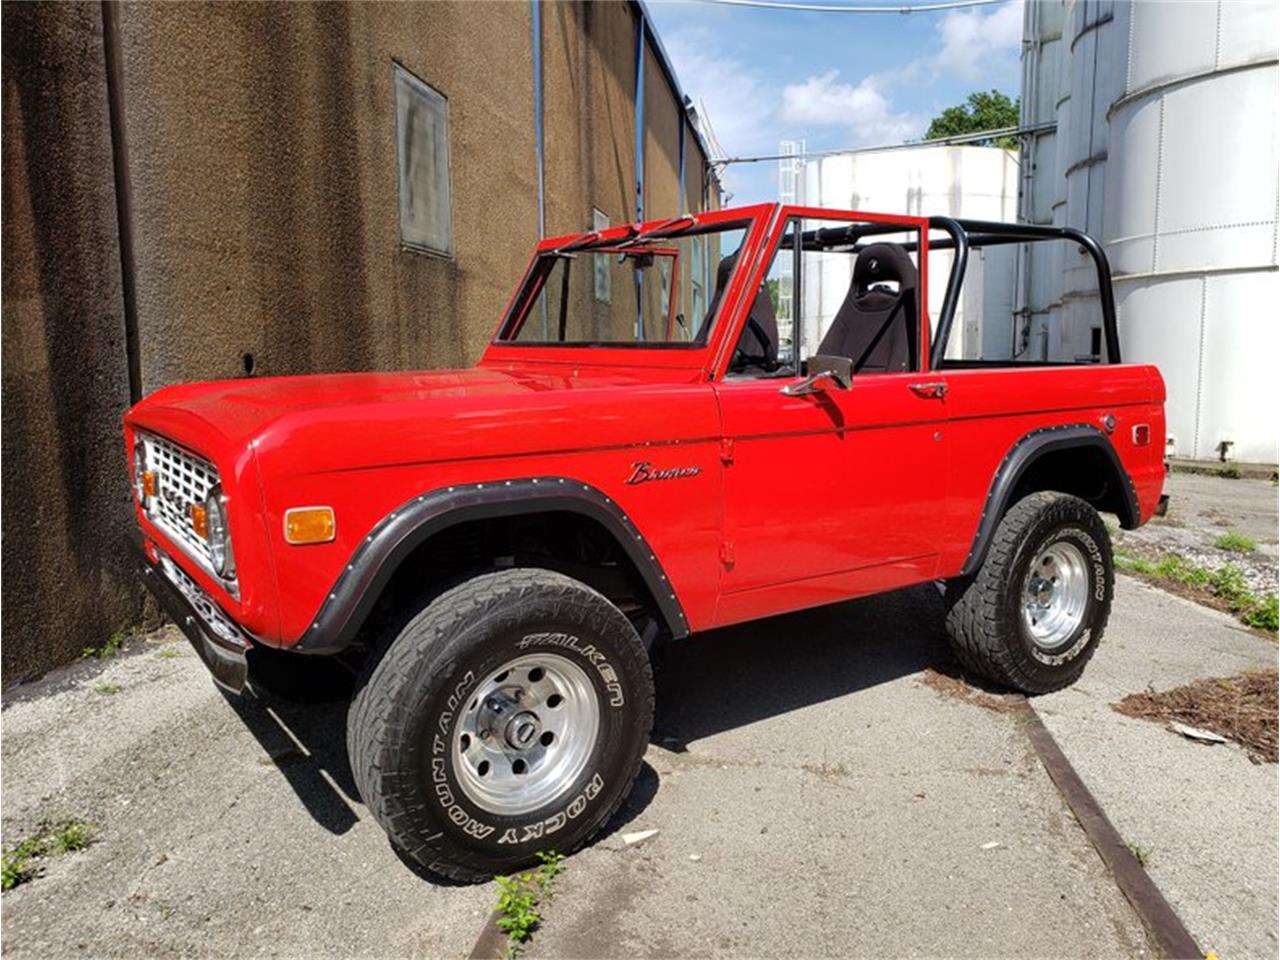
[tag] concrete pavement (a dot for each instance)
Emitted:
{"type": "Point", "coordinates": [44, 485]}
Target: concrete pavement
{"type": "Point", "coordinates": [1205, 816]}
{"type": "Point", "coordinates": [812, 796]}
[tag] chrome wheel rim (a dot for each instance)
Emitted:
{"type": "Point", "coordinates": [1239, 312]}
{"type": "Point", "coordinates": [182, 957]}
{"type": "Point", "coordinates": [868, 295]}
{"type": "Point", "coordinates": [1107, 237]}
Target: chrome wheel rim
{"type": "Point", "coordinates": [1055, 594]}
{"type": "Point", "coordinates": [526, 734]}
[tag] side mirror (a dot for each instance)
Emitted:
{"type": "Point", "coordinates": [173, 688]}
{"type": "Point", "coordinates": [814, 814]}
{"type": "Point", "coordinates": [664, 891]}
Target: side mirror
{"type": "Point", "coordinates": [837, 370]}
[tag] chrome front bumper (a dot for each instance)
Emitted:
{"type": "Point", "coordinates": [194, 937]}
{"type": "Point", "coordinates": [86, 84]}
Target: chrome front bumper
{"type": "Point", "coordinates": [219, 643]}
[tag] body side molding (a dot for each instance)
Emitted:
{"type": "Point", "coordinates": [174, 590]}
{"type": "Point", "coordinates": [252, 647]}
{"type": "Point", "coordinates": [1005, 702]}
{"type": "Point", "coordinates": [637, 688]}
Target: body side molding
{"type": "Point", "coordinates": [409, 525]}
{"type": "Point", "coordinates": [1020, 458]}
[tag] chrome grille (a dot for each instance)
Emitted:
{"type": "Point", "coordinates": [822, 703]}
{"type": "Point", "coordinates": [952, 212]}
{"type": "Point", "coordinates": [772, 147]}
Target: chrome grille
{"type": "Point", "coordinates": [209, 612]}
{"type": "Point", "coordinates": [182, 479]}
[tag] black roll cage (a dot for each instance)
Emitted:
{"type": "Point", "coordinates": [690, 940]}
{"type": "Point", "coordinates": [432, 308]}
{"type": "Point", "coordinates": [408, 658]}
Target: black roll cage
{"type": "Point", "coordinates": [964, 235]}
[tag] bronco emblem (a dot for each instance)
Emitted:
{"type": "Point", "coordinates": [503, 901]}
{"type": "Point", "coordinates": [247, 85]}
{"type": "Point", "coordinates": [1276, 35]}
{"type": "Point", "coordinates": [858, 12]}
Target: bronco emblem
{"type": "Point", "coordinates": [643, 472]}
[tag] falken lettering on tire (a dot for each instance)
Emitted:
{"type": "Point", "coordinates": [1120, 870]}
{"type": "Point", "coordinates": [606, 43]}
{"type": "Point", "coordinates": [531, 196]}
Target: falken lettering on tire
{"type": "Point", "coordinates": [616, 697]}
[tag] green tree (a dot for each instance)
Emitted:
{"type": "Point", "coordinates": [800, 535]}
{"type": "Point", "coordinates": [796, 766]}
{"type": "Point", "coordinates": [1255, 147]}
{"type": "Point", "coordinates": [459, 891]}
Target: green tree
{"type": "Point", "coordinates": [983, 110]}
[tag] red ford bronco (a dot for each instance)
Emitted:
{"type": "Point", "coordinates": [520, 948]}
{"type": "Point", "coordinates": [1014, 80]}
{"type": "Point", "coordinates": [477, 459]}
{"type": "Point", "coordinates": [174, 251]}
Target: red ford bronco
{"type": "Point", "coordinates": [644, 451]}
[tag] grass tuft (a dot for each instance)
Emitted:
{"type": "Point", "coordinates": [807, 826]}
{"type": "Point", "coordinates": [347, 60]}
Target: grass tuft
{"type": "Point", "coordinates": [1225, 587]}
{"type": "Point", "coordinates": [108, 648]}
{"type": "Point", "coordinates": [518, 899]}
{"type": "Point", "coordinates": [1236, 542]}
{"type": "Point", "coordinates": [19, 863]}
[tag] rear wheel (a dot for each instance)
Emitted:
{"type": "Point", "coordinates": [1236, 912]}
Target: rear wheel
{"type": "Point", "coordinates": [1034, 613]}
{"type": "Point", "coordinates": [508, 717]}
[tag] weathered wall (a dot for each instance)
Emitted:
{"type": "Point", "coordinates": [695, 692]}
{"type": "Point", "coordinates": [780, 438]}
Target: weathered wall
{"type": "Point", "coordinates": [259, 142]}
{"type": "Point", "coordinates": [588, 113]}
{"type": "Point", "coordinates": [661, 145]}
{"type": "Point", "coordinates": [65, 487]}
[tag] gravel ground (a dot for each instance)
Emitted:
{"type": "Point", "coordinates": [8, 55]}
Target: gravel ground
{"type": "Point", "coordinates": [1203, 508]}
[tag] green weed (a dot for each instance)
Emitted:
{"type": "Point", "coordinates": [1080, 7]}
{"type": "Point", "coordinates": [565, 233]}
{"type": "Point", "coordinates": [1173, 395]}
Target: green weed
{"type": "Point", "coordinates": [1263, 615]}
{"type": "Point", "coordinates": [167, 652]}
{"type": "Point", "coordinates": [1236, 542]}
{"type": "Point", "coordinates": [66, 836]}
{"type": "Point", "coordinates": [108, 648]}
{"type": "Point", "coordinates": [518, 899]}
{"type": "Point", "coordinates": [1227, 583]}
{"type": "Point", "coordinates": [105, 688]}
{"type": "Point", "coordinates": [1141, 854]}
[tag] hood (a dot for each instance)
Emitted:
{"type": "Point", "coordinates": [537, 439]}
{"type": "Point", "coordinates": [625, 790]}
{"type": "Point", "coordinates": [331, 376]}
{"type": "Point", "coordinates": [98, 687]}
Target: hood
{"type": "Point", "coordinates": [344, 420]}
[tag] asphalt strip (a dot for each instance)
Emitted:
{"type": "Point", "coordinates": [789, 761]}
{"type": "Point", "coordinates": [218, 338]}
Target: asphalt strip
{"type": "Point", "coordinates": [1164, 925]}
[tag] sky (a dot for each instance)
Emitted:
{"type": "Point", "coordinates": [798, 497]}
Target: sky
{"type": "Point", "coordinates": [833, 80]}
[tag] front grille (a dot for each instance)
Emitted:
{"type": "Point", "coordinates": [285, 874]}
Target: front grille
{"type": "Point", "coordinates": [182, 479]}
{"type": "Point", "coordinates": [209, 612]}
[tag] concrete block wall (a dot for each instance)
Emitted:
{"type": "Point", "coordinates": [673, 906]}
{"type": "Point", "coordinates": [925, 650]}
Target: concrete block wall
{"type": "Point", "coordinates": [258, 144]}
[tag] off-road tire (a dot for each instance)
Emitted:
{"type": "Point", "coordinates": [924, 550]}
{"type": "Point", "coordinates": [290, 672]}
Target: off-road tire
{"type": "Point", "coordinates": [410, 699]}
{"type": "Point", "coordinates": [984, 618]}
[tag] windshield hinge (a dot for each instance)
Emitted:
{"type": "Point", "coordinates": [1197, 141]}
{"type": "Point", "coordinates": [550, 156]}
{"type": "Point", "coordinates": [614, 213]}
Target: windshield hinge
{"type": "Point", "coordinates": [726, 450]}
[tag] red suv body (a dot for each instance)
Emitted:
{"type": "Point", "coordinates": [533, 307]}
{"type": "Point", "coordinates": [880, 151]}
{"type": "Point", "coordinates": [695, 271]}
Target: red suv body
{"type": "Point", "coordinates": [748, 502]}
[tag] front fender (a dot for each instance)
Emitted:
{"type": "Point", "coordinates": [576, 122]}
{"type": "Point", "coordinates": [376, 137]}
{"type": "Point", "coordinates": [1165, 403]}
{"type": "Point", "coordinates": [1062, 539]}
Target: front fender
{"type": "Point", "coordinates": [395, 536]}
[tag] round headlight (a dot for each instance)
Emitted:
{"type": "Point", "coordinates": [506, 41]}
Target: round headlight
{"type": "Point", "coordinates": [219, 535]}
{"type": "Point", "coordinates": [140, 469]}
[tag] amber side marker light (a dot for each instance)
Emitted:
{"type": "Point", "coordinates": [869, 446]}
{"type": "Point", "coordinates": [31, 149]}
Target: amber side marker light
{"type": "Point", "coordinates": [309, 525]}
{"type": "Point", "coordinates": [148, 484]}
{"type": "Point", "coordinates": [200, 521]}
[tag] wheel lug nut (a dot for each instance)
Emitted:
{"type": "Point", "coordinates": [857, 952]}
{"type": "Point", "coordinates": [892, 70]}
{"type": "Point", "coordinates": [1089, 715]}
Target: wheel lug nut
{"type": "Point", "coordinates": [485, 734]}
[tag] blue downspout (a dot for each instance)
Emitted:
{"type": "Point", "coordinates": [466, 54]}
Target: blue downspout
{"type": "Point", "coordinates": [640, 42]}
{"type": "Point", "coordinates": [536, 19]}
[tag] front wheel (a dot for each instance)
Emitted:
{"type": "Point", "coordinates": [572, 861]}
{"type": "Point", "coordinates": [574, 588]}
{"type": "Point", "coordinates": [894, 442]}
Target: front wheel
{"type": "Point", "coordinates": [1034, 613]}
{"type": "Point", "coordinates": [510, 716]}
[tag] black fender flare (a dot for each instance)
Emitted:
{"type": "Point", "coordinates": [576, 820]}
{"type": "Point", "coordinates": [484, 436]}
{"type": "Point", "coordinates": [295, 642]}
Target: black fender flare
{"type": "Point", "coordinates": [350, 600]}
{"type": "Point", "coordinates": [1020, 458]}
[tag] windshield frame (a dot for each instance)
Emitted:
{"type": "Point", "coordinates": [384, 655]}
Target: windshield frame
{"type": "Point", "coordinates": [754, 220]}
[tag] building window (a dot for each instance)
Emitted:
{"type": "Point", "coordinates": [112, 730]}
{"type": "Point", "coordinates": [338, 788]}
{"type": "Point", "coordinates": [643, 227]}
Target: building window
{"type": "Point", "coordinates": [422, 155]}
{"type": "Point", "coordinates": [603, 291]}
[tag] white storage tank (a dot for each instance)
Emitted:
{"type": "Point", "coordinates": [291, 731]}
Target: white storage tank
{"type": "Point", "coordinates": [919, 180]}
{"type": "Point", "coordinates": [1169, 155]}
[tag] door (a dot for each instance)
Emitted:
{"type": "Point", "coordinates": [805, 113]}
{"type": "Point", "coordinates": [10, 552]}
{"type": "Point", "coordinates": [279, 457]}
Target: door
{"type": "Point", "coordinates": [836, 492]}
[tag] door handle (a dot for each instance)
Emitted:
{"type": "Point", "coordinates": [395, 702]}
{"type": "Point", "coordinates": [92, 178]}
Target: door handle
{"type": "Point", "coordinates": [933, 390]}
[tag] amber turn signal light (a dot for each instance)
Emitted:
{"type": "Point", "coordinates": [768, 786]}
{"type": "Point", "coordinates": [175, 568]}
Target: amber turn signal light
{"type": "Point", "coordinates": [200, 521]}
{"type": "Point", "coordinates": [309, 525]}
{"type": "Point", "coordinates": [148, 484]}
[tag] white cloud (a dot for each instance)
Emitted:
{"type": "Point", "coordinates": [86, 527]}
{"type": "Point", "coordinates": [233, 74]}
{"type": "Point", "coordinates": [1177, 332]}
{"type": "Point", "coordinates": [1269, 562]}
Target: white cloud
{"type": "Point", "coordinates": [972, 38]}
{"type": "Point", "coordinates": [739, 100]}
{"type": "Point", "coordinates": [860, 108]}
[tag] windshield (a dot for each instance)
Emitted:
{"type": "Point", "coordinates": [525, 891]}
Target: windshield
{"type": "Point", "coordinates": [647, 291]}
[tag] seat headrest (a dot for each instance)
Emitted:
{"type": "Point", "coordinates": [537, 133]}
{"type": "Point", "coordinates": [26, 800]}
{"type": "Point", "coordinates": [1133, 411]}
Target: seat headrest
{"type": "Point", "coordinates": [884, 263]}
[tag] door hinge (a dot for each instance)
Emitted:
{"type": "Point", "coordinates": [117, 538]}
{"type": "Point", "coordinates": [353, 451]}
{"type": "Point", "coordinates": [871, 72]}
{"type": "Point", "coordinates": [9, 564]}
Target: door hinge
{"type": "Point", "coordinates": [726, 553]}
{"type": "Point", "coordinates": [726, 450]}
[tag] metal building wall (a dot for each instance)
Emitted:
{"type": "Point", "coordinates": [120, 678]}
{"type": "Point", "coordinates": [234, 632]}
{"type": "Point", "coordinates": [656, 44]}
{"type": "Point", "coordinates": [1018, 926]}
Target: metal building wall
{"type": "Point", "coordinates": [1167, 133]}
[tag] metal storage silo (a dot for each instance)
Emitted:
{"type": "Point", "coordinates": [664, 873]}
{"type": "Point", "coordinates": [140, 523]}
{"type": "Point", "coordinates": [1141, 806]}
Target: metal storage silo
{"type": "Point", "coordinates": [1191, 222]}
{"type": "Point", "coordinates": [1167, 151]}
{"type": "Point", "coordinates": [920, 180]}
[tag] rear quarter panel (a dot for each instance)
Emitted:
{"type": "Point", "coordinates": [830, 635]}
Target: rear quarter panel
{"type": "Point", "coordinates": [991, 410]}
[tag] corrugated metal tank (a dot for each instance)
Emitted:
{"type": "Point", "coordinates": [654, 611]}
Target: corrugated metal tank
{"type": "Point", "coordinates": [958, 181]}
{"type": "Point", "coordinates": [1169, 154]}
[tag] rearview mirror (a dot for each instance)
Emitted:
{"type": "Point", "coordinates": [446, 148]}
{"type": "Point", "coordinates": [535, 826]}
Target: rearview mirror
{"type": "Point", "coordinates": [822, 369]}
{"type": "Point", "coordinates": [839, 369]}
